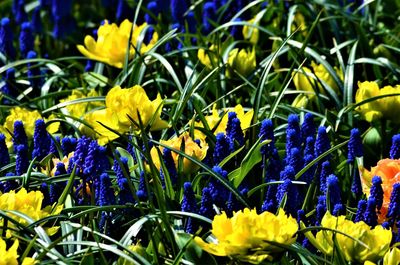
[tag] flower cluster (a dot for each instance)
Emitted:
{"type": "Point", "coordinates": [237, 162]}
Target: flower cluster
{"type": "Point", "coordinates": [356, 241]}
{"type": "Point", "coordinates": [77, 110]}
{"type": "Point", "coordinates": [250, 236]}
{"type": "Point", "coordinates": [29, 204]}
{"type": "Point", "coordinates": [125, 108]}
{"type": "Point", "coordinates": [377, 103]}
{"type": "Point", "coordinates": [199, 132]}
{"type": "Point", "coordinates": [116, 44]}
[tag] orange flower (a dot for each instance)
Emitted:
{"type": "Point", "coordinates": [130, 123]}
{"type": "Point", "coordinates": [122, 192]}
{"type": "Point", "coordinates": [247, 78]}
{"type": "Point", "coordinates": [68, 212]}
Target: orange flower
{"type": "Point", "coordinates": [389, 171]}
{"type": "Point", "coordinates": [191, 148]}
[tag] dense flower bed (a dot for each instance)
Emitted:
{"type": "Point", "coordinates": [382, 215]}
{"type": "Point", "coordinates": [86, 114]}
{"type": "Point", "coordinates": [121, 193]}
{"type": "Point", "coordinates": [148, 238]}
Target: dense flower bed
{"type": "Point", "coordinates": [199, 132]}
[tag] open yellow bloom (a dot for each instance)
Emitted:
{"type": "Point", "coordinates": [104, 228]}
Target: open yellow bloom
{"type": "Point", "coordinates": [29, 204]}
{"type": "Point", "coordinates": [305, 79]}
{"type": "Point", "coordinates": [28, 118]}
{"type": "Point", "coordinates": [101, 133]}
{"type": "Point", "coordinates": [241, 61]}
{"type": "Point", "coordinates": [191, 148]}
{"type": "Point", "coordinates": [377, 239]}
{"type": "Point", "coordinates": [381, 108]}
{"type": "Point", "coordinates": [122, 105]}
{"type": "Point", "coordinates": [133, 102]}
{"type": "Point", "coordinates": [370, 111]}
{"type": "Point", "coordinates": [112, 43]}
{"type": "Point", "coordinates": [218, 124]}
{"type": "Point", "coordinates": [78, 109]}
{"type": "Point", "coordinates": [392, 257]}
{"type": "Point", "coordinates": [208, 58]}
{"type": "Point", "coordinates": [249, 236]}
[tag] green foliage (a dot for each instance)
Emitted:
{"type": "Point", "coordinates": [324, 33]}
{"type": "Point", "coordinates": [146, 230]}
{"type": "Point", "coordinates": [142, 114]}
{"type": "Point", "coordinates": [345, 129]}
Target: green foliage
{"type": "Point", "coordinates": [353, 43]}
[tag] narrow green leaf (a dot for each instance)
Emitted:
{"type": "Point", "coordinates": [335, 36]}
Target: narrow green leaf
{"type": "Point", "coordinates": [252, 158]}
{"type": "Point", "coordinates": [67, 188]}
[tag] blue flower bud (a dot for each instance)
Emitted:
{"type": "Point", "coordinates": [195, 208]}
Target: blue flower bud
{"type": "Point", "coordinates": [18, 9]}
{"type": "Point", "coordinates": [334, 189]}
{"type": "Point", "coordinates": [41, 140]}
{"type": "Point", "coordinates": [6, 39]}
{"type": "Point", "coordinates": [19, 137]}
{"type": "Point", "coordinates": [325, 172]}
{"type": "Point", "coordinates": [178, 9]}
{"type": "Point", "coordinates": [322, 143]}
{"type": "Point", "coordinates": [189, 204]}
{"type": "Point", "coordinates": [154, 10]}
{"type": "Point", "coordinates": [395, 149]}
{"type": "Point", "coordinates": [355, 146]}
{"type": "Point", "coordinates": [209, 16]}
{"type": "Point", "coordinates": [361, 207]}
{"type": "Point", "coordinates": [36, 22]}
{"type": "Point", "coordinates": [206, 208]}
{"type": "Point", "coordinates": [376, 191]}
{"type": "Point", "coordinates": [308, 128]}
{"type": "Point", "coordinates": [26, 39]}
{"type": "Point", "coordinates": [221, 149]}
{"type": "Point", "coordinates": [370, 217]}
{"type": "Point", "coordinates": [21, 159]}
{"type": "Point", "coordinates": [234, 131]}
{"type": "Point", "coordinates": [4, 155]}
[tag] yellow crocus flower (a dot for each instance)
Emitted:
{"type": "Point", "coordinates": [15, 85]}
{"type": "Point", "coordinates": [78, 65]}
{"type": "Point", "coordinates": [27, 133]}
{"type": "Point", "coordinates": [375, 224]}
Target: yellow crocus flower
{"type": "Point", "coordinates": [10, 256]}
{"type": "Point", "coordinates": [307, 79]}
{"type": "Point", "coordinates": [79, 109]}
{"type": "Point", "coordinates": [249, 236]}
{"type": "Point", "coordinates": [111, 46]}
{"type": "Point", "coordinates": [28, 203]}
{"type": "Point", "coordinates": [133, 102]}
{"type": "Point", "coordinates": [379, 108]}
{"type": "Point", "coordinates": [377, 239]}
{"type": "Point", "coordinates": [124, 105]}
{"type": "Point", "coordinates": [390, 104]}
{"type": "Point", "coordinates": [299, 22]}
{"type": "Point", "coordinates": [106, 117]}
{"type": "Point", "coordinates": [208, 58]}
{"type": "Point", "coordinates": [242, 61]}
{"type": "Point", "coordinates": [28, 118]}
{"type": "Point", "coordinates": [370, 111]}
{"type": "Point", "coordinates": [137, 248]}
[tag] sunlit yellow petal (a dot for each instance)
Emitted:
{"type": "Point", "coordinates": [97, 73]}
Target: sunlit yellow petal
{"type": "Point", "coordinates": [392, 257]}
{"type": "Point", "coordinates": [247, 235]}
{"type": "Point", "coordinates": [348, 240]}
{"type": "Point", "coordinates": [112, 43]}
